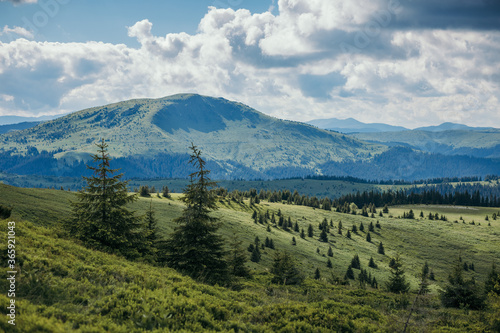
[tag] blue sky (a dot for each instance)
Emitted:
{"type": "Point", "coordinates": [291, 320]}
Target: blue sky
{"type": "Point", "coordinates": [409, 63]}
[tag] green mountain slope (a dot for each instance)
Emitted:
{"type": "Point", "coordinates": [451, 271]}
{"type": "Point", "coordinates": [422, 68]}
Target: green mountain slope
{"type": "Point", "coordinates": [223, 130]}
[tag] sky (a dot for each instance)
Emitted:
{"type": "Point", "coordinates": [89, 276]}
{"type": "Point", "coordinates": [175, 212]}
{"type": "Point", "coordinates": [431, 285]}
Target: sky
{"type": "Point", "coordinates": [402, 62]}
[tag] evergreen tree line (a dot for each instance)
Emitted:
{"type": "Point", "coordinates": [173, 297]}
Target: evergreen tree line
{"type": "Point", "coordinates": [462, 195]}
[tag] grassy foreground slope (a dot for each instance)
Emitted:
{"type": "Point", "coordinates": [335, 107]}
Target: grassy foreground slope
{"type": "Point", "coordinates": [63, 286]}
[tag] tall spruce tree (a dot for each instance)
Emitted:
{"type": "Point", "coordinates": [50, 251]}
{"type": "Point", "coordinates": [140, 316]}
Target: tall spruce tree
{"type": "Point", "coordinates": [194, 247]}
{"type": "Point", "coordinates": [99, 216]}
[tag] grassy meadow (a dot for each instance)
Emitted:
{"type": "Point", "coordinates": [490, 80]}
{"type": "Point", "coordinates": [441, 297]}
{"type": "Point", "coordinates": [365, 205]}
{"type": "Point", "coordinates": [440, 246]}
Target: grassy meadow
{"type": "Point", "coordinates": [63, 286]}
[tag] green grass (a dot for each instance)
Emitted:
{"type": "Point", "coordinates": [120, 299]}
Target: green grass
{"type": "Point", "coordinates": [64, 286]}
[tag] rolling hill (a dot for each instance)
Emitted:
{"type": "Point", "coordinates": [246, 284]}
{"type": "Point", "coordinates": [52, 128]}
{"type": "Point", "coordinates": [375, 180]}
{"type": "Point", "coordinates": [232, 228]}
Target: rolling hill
{"type": "Point", "coordinates": [63, 286]}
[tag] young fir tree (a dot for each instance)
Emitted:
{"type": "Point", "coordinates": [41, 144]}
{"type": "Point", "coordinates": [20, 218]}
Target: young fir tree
{"type": "Point", "coordinates": [329, 263]}
{"type": "Point", "coordinates": [323, 237]}
{"type": "Point", "coordinates": [99, 217]}
{"type": "Point", "coordinates": [424, 280]}
{"type": "Point", "coordinates": [194, 247]}
{"type": "Point", "coordinates": [371, 227]}
{"type": "Point", "coordinates": [310, 231]}
{"type": "Point", "coordinates": [285, 270]}
{"type": "Point", "coordinates": [330, 252]}
{"type": "Point", "coordinates": [302, 234]}
{"type": "Point", "coordinates": [237, 259]}
{"type": "Point", "coordinates": [166, 192]}
{"type": "Point", "coordinates": [381, 249]}
{"type": "Point", "coordinates": [355, 262]}
{"type": "Point", "coordinates": [372, 263]}
{"type": "Point", "coordinates": [152, 238]}
{"type": "Point", "coordinates": [255, 257]}
{"type": "Point", "coordinates": [397, 282]}
{"type": "Point", "coordinates": [349, 274]}
{"type": "Point", "coordinates": [317, 274]}
{"type": "Point", "coordinates": [368, 237]}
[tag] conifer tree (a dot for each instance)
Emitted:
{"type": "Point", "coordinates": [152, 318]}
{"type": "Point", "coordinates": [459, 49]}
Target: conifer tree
{"type": "Point", "coordinates": [255, 257]}
{"type": "Point", "coordinates": [371, 227]}
{"type": "Point", "coordinates": [368, 238]}
{"type": "Point", "coordinates": [194, 247]}
{"type": "Point", "coordinates": [492, 283]}
{"type": "Point", "coordinates": [144, 191]}
{"type": "Point", "coordinates": [381, 249]}
{"type": "Point", "coordinates": [285, 270]}
{"type": "Point", "coordinates": [99, 217]}
{"type": "Point", "coordinates": [330, 252]}
{"type": "Point", "coordinates": [372, 263]}
{"type": "Point", "coordinates": [152, 239]}
{"type": "Point", "coordinates": [424, 279]}
{"type": "Point", "coordinates": [348, 234]}
{"type": "Point", "coordinates": [397, 282]}
{"type": "Point", "coordinates": [355, 262]}
{"type": "Point", "coordinates": [237, 259]}
{"type": "Point", "coordinates": [310, 231]}
{"type": "Point", "coordinates": [166, 192]}
{"type": "Point", "coordinates": [460, 292]}
{"type": "Point", "coordinates": [329, 263]}
{"type": "Point", "coordinates": [323, 237]}
{"type": "Point", "coordinates": [302, 234]}
{"type": "Point", "coordinates": [349, 273]}
{"type": "Point", "coordinates": [317, 274]}
{"type": "Point", "coordinates": [294, 242]}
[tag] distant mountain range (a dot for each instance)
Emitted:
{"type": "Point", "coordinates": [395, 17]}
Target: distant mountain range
{"type": "Point", "coordinates": [150, 138]}
{"type": "Point", "coordinates": [351, 125]}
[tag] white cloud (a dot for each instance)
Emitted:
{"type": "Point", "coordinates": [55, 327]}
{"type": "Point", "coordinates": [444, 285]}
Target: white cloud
{"type": "Point", "coordinates": [410, 77]}
{"type": "Point", "coordinates": [17, 31]}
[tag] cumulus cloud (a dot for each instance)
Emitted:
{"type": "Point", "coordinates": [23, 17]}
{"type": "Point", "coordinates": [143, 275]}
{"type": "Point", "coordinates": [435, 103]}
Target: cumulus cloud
{"type": "Point", "coordinates": [311, 59]}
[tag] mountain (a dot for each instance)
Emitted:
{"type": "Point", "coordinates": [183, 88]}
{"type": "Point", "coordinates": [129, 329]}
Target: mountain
{"type": "Point", "coordinates": [452, 126]}
{"type": "Point", "coordinates": [150, 138]}
{"type": "Point", "coordinates": [351, 125]}
{"type": "Point", "coordinates": [9, 120]}
{"type": "Point", "coordinates": [474, 142]}
{"type": "Point", "coordinates": [18, 126]}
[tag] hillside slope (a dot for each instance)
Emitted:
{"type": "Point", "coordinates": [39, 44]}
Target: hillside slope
{"type": "Point", "coordinates": [64, 287]}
